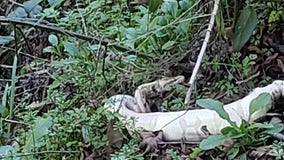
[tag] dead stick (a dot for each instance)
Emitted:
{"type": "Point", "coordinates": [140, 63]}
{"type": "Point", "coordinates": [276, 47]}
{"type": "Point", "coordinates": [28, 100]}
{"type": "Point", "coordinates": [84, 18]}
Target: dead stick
{"type": "Point", "coordinates": [201, 53]}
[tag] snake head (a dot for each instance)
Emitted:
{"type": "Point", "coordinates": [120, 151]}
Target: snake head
{"type": "Point", "coordinates": [168, 83]}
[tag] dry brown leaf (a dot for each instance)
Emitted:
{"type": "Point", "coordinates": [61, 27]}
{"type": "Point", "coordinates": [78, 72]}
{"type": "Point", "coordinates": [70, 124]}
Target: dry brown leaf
{"type": "Point", "coordinates": [115, 138]}
{"type": "Point", "coordinates": [150, 141]}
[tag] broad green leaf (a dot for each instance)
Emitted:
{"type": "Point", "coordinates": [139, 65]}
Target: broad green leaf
{"type": "Point", "coordinates": [53, 40]}
{"type": "Point", "coordinates": [162, 20]}
{"type": "Point", "coordinates": [9, 151]}
{"type": "Point", "coordinates": [212, 141]}
{"type": "Point", "coordinates": [184, 4]}
{"type": "Point", "coordinates": [182, 29]}
{"type": "Point", "coordinates": [71, 48]}
{"type": "Point", "coordinates": [277, 128]}
{"type": "Point", "coordinates": [170, 7]}
{"type": "Point", "coordinates": [215, 106]}
{"type": "Point", "coordinates": [131, 33]}
{"type": "Point", "coordinates": [55, 3]}
{"type": "Point", "coordinates": [30, 5]}
{"type": "Point", "coordinates": [267, 127]}
{"type": "Point", "coordinates": [244, 27]}
{"type": "Point", "coordinates": [261, 126]}
{"type": "Point", "coordinates": [6, 39]}
{"type": "Point", "coordinates": [232, 132]}
{"type": "Point", "coordinates": [260, 102]}
{"type": "Point", "coordinates": [154, 24]}
{"type": "Point", "coordinates": [19, 12]}
{"type": "Point", "coordinates": [169, 45]}
{"type": "Point", "coordinates": [40, 129]}
{"type": "Point", "coordinates": [36, 10]}
{"type": "Point", "coordinates": [154, 5]}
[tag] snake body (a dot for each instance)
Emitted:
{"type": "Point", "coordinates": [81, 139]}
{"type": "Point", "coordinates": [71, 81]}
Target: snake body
{"type": "Point", "coordinates": [189, 125]}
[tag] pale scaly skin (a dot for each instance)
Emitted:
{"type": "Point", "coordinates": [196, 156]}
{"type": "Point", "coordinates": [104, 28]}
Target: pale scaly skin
{"type": "Point", "coordinates": [186, 125]}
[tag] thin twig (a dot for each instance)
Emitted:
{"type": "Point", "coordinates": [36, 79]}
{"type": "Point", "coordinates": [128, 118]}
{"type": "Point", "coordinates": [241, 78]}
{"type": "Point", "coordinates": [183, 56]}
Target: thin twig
{"type": "Point", "coordinates": [14, 2]}
{"type": "Point", "coordinates": [201, 53]}
{"type": "Point", "coordinates": [249, 78]}
{"type": "Point", "coordinates": [178, 142]}
{"type": "Point", "coordinates": [85, 30]}
{"type": "Point", "coordinates": [15, 122]}
{"type": "Point", "coordinates": [22, 53]}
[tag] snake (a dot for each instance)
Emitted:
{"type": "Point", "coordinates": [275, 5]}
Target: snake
{"type": "Point", "coordinates": [187, 125]}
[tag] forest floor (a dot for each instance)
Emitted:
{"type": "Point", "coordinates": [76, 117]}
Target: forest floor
{"type": "Point", "coordinates": [61, 60]}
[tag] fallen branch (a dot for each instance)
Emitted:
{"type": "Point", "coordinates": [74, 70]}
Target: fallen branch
{"type": "Point", "coordinates": [201, 53]}
{"type": "Point", "coordinates": [45, 25]}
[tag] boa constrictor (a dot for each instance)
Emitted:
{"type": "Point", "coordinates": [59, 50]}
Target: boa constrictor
{"type": "Point", "coordinates": [186, 125]}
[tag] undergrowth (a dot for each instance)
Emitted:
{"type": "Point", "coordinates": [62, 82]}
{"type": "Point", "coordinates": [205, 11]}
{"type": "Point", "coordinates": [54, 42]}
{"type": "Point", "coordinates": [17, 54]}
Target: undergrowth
{"type": "Point", "coordinates": [69, 120]}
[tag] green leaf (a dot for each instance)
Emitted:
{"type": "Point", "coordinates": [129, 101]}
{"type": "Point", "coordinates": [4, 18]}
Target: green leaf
{"type": "Point", "coordinates": [277, 128]}
{"type": "Point", "coordinates": [131, 33]}
{"type": "Point", "coordinates": [170, 7]}
{"type": "Point", "coordinates": [233, 153]}
{"type": "Point", "coordinates": [3, 107]}
{"type": "Point", "coordinates": [55, 3]}
{"type": "Point", "coordinates": [184, 4]}
{"type": "Point", "coordinates": [220, 22]}
{"type": "Point", "coordinates": [19, 12]}
{"type": "Point", "coordinates": [243, 156]}
{"type": "Point", "coordinates": [260, 102]}
{"type": "Point", "coordinates": [61, 63]}
{"type": "Point", "coordinates": [54, 85]}
{"type": "Point", "coordinates": [169, 45]}
{"type": "Point", "coordinates": [131, 58]}
{"type": "Point", "coordinates": [232, 132]}
{"type": "Point", "coordinates": [260, 126]}
{"type": "Point", "coordinates": [154, 5]}
{"type": "Point", "coordinates": [245, 25]}
{"type": "Point", "coordinates": [31, 5]}
{"type": "Point", "coordinates": [195, 153]}
{"type": "Point", "coordinates": [13, 89]}
{"type": "Point", "coordinates": [50, 49]}
{"type": "Point", "coordinates": [37, 9]}
{"type": "Point", "coordinates": [53, 40]}
{"type": "Point", "coordinates": [41, 128]}
{"type": "Point", "coordinates": [9, 151]}
{"type": "Point", "coordinates": [212, 141]}
{"type": "Point", "coordinates": [71, 48]}
{"type": "Point", "coordinates": [215, 106]}
{"type": "Point", "coordinates": [85, 134]}
{"type": "Point", "coordinates": [6, 39]}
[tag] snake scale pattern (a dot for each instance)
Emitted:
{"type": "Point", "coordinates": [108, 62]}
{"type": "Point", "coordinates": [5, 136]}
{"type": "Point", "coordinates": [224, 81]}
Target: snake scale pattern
{"type": "Point", "coordinates": [186, 125]}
